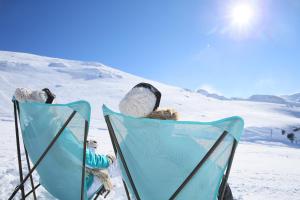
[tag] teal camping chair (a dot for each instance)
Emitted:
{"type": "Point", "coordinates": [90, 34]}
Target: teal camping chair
{"type": "Point", "coordinates": [54, 137]}
{"type": "Point", "coordinates": [165, 159]}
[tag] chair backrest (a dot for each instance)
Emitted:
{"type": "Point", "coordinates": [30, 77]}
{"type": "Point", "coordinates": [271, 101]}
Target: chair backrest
{"type": "Point", "coordinates": [61, 171]}
{"type": "Point", "coordinates": [161, 154]}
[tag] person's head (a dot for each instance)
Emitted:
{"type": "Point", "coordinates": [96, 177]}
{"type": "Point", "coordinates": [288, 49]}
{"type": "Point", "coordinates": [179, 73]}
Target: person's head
{"type": "Point", "coordinates": [140, 101]}
{"type": "Point", "coordinates": [92, 144]}
{"type": "Point", "coordinates": [28, 95]}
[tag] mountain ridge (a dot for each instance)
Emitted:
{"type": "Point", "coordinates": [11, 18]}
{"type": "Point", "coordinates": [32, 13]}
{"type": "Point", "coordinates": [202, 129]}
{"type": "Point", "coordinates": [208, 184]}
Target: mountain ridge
{"type": "Point", "coordinates": [99, 84]}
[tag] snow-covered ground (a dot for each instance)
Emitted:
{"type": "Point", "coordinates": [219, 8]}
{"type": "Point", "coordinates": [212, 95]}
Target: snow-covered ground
{"type": "Point", "coordinates": [266, 164]}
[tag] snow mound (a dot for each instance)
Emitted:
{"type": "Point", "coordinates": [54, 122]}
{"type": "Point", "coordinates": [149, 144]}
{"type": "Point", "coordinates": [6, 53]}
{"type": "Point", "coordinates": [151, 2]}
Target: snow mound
{"type": "Point", "coordinates": [267, 98]}
{"type": "Point", "coordinates": [293, 97]}
{"type": "Point", "coordinates": [212, 95]}
{"type": "Point", "coordinates": [14, 66]}
{"type": "Point", "coordinates": [57, 65]}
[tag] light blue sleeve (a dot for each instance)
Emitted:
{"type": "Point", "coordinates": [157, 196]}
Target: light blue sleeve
{"type": "Point", "coordinates": [96, 161]}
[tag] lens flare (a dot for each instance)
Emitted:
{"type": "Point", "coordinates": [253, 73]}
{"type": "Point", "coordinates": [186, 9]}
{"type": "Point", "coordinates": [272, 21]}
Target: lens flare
{"type": "Point", "coordinates": [242, 15]}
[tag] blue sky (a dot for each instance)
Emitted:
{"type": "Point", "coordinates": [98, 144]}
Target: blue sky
{"type": "Point", "coordinates": [191, 44]}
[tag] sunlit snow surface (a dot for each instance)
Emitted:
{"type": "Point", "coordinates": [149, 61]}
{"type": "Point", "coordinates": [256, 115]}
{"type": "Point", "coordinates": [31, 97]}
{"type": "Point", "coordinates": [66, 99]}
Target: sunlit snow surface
{"type": "Point", "coordinates": [266, 166]}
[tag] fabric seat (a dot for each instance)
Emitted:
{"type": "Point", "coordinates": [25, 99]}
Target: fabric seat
{"type": "Point", "coordinates": [61, 171]}
{"type": "Point", "coordinates": [165, 159]}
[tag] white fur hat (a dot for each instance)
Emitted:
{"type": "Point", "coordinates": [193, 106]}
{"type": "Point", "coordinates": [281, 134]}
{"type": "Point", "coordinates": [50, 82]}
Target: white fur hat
{"type": "Point", "coordinates": [27, 95]}
{"type": "Point", "coordinates": [140, 101]}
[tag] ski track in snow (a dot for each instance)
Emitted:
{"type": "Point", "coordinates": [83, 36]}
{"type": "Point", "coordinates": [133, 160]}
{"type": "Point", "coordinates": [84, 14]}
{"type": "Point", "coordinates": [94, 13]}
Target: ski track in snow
{"type": "Point", "coordinates": [266, 164]}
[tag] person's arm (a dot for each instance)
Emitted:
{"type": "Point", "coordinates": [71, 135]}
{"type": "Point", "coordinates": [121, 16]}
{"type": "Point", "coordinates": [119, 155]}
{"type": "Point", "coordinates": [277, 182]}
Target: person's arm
{"type": "Point", "coordinates": [96, 161]}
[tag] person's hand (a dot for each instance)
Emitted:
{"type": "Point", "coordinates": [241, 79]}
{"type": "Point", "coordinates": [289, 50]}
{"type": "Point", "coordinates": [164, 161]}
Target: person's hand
{"type": "Point", "coordinates": [111, 158]}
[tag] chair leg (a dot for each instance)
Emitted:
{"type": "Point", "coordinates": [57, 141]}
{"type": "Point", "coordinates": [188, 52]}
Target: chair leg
{"type": "Point", "coordinates": [126, 190]}
{"type": "Point", "coordinates": [117, 150]}
{"type": "Point", "coordinates": [225, 178]}
{"type": "Point", "coordinates": [26, 154]}
{"type": "Point", "coordinates": [31, 179]}
{"type": "Point", "coordinates": [100, 192]}
{"type": "Point", "coordinates": [97, 195]}
{"type": "Point", "coordinates": [38, 185]}
{"type": "Point", "coordinates": [227, 193]}
{"type": "Point", "coordinates": [18, 150]}
{"type": "Point", "coordinates": [86, 130]}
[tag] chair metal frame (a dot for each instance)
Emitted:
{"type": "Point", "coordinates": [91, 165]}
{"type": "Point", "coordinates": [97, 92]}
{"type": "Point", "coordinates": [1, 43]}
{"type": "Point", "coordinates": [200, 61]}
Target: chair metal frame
{"type": "Point", "coordinates": [20, 187]}
{"type": "Point", "coordinates": [222, 186]}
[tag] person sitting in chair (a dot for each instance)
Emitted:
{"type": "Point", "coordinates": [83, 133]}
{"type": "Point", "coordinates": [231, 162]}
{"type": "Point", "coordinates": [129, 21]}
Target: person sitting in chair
{"type": "Point", "coordinates": [143, 101]}
{"type": "Point", "coordinates": [94, 162]}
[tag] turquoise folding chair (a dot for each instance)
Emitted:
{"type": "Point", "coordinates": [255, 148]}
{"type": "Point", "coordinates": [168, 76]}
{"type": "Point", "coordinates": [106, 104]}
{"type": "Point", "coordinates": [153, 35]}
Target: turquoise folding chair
{"type": "Point", "coordinates": [54, 137]}
{"type": "Point", "coordinates": [165, 159]}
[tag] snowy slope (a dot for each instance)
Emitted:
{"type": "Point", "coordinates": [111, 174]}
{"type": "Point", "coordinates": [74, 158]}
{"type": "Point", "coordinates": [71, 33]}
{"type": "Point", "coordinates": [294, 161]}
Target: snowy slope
{"type": "Point", "coordinates": [216, 96]}
{"type": "Point", "coordinates": [267, 98]}
{"type": "Point", "coordinates": [99, 84]}
{"type": "Point", "coordinates": [292, 98]}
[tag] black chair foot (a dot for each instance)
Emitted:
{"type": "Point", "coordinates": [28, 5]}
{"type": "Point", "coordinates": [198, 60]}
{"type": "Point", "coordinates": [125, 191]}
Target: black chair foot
{"type": "Point", "coordinates": [227, 193]}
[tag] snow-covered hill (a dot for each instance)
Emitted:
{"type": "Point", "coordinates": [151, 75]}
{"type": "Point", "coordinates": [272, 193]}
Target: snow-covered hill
{"type": "Point", "coordinates": [216, 96]}
{"type": "Point", "coordinates": [292, 98]}
{"type": "Point", "coordinates": [263, 143]}
{"type": "Point", "coordinates": [98, 84]}
{"type": "Point", "coordinates": [267, 98]}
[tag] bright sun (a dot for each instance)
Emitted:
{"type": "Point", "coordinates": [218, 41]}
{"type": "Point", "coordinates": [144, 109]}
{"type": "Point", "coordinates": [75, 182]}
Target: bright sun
{"type": "Point", "coordinates": [242, 15]}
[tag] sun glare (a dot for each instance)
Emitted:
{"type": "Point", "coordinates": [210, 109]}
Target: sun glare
{"type": "Point", "coordinates": [242, 15]}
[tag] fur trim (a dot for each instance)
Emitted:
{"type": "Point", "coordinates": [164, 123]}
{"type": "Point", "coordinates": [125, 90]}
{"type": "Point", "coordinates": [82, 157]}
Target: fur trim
{"type": "Point", "coordinates": [25, 94]}
{"type": "Point", "coordinates": [164, 114]}
{"type": "Point", "coordinates": [103, 175]}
